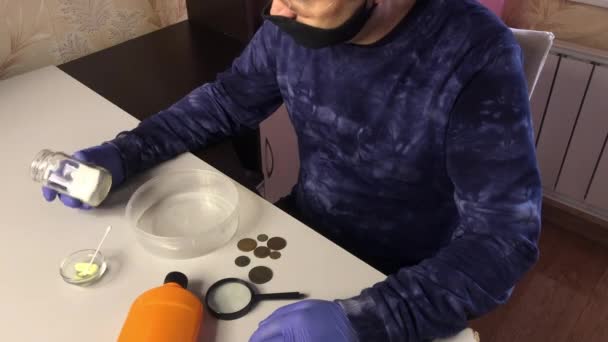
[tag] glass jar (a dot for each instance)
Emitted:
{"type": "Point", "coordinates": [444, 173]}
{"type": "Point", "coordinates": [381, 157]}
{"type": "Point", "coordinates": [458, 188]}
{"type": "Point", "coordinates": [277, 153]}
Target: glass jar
{"type": "Point", "coordinates": [64, 174]}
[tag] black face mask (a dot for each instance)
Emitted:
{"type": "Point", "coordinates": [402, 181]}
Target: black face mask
{"type": "Point", "coordinates": [316, 38]}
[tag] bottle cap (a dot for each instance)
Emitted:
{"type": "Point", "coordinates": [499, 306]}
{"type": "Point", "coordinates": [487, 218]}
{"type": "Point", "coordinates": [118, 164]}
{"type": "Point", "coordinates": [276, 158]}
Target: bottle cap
{"type": "Point", "coordinates": [178, 278]}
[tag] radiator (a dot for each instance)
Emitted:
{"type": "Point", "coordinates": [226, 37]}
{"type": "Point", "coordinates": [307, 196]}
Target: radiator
{"type": "Point", "coordinates": [570, 114]}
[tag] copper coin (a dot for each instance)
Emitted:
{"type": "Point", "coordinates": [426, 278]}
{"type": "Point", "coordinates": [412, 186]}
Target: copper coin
{"type": "Point", "coordinates": [260, 275]}
{"type": "Point", "coordinates": [276, 243]}
{"type": "Point", "coordinates": [247, 245]}
{"type": "Point", "coordinates": [275, 255]}
{"type": "Point", "coordinates": [262, 237]}
{"type": "Point", "coordinates": [242, 261]}
{"type": "Point", "coordinates": [261, 252]}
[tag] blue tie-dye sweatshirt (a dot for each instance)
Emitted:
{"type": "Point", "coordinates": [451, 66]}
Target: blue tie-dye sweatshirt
{"type": "Point", "coordinates": [416, 152]}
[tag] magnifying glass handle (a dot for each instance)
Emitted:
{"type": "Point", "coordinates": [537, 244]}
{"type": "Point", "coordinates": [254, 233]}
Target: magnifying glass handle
{"type": "Point", "coordinates": [283, 295]}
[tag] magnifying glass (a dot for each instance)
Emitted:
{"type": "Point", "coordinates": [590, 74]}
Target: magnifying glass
{"type": "Point", "coordinates": [233, 298]}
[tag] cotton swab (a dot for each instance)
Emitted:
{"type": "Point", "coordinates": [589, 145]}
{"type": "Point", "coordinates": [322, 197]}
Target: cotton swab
{"type": "Point", "coordinates": [99, 247]}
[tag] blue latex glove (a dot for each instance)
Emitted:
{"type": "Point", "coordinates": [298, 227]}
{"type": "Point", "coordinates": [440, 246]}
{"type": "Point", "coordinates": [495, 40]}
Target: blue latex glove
{"type": "Point", "coordinates": [106, 156]}
{"type": "Point", "coordinates": [306, 321]}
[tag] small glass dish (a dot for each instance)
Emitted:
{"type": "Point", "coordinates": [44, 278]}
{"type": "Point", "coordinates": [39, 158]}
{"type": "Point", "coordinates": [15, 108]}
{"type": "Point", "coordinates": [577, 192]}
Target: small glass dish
{"type": "Point", "coordinates": [74, 269]}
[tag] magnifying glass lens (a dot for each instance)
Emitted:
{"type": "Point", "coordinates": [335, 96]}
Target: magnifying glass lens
{"type": "Point", "coordinates": [228, 298]}
{"type": "Point", "coordinates": [232, 298]}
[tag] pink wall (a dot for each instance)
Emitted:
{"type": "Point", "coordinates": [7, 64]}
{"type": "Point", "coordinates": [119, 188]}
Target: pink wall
{"type": "Point", "coordinates": [495, 5]}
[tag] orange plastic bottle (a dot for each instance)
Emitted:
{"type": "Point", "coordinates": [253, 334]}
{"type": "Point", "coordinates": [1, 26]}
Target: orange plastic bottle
{"type": "Point", "coordinates": [169, 313]}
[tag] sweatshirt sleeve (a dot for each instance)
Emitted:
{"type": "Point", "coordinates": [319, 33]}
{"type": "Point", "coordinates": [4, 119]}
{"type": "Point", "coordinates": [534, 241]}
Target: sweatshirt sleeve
{"type": "Point", "coordinates": [490, 158]}
{"type": "Point", "coordinates": [241, 97]}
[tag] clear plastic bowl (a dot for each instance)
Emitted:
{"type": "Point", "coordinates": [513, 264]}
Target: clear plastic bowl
{"type": "Point", "coordinates": [184, 214]}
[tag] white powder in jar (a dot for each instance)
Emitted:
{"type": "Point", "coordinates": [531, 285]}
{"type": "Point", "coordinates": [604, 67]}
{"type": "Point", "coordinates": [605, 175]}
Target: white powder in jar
{"type": "Point", "coordinates": [90, 185]}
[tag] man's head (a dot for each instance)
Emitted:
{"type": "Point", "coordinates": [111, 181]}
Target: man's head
{"type": "Point", "coordinates": [324, 14]}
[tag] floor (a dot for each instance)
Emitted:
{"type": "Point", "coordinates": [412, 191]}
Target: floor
{"type": "Point", "coordinates": [563, 298]}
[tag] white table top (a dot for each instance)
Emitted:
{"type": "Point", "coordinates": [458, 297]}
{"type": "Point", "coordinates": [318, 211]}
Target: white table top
{"type": "Point", "coordinates": [49, 109]}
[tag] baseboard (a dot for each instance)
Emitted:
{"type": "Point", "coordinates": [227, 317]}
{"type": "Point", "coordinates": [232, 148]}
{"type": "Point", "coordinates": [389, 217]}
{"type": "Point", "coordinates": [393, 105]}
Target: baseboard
{"type": "Point", "coordinates": [575, 220]}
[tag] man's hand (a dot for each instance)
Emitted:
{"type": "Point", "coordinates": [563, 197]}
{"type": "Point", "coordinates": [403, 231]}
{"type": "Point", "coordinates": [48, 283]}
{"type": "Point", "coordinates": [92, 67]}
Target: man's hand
{"type": "Point", "coordinates": [306, 321]}
{"type": "Point", "coordinates": [106, 156]}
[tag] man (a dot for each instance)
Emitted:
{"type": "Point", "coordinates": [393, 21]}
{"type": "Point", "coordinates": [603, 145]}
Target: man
{"type": "Point", "coordinates": [416, 153]}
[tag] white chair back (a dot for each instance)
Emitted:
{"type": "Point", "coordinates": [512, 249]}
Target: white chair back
{"type": "Point", "coordinates": [535, 46]}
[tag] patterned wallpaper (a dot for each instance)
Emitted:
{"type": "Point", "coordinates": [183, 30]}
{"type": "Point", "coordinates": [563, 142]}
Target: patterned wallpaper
{"type": "Point", "coordinates": [570, 21]}
{"type": "Point", "coordinates": [36, 33]}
